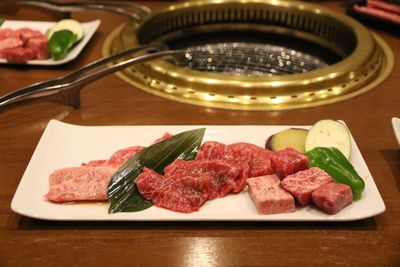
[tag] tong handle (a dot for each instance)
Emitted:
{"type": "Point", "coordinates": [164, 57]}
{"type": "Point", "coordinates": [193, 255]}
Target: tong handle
{"type": "Point", "coordinates": [64, 8]}
{"type": "Point", "coordinates": [67, 88]}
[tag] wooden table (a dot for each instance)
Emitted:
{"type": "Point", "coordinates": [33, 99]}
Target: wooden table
{"type": "Point", "coordinates": [110, 101]}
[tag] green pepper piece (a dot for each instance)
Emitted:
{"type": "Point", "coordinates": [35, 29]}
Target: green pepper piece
{"type": "Point", "coordinates": [60, 43]}
{"type": "Point", "coordinates": [336, 165]}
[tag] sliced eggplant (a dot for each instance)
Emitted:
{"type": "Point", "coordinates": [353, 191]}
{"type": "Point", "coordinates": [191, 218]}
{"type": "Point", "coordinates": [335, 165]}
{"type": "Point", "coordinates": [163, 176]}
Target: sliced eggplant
{"type": "Point", "coordinates": [329, 133]}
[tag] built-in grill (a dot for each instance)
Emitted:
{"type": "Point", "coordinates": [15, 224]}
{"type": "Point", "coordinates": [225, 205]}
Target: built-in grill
{"type": "Point", "coordinates": [254, 55]}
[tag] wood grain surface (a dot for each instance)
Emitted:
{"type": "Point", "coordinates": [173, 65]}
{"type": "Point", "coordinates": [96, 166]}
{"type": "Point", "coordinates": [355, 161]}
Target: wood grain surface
{"type": "Point", "coordinates": [110, 101]}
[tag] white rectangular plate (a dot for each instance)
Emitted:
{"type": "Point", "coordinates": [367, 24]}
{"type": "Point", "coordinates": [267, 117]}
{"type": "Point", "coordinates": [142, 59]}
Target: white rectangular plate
{"type": "Point", "coordinates": [65, 145]}
{"type": "Point", "coordinates": [42, 26]}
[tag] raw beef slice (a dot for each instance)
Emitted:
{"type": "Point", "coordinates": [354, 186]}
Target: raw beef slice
{"type": "Point", "coordinates": [288, 161]}
{"type": "Point", "coordinates": [303, 183]}
{"type": "Point", "coordinates": [215, 151]}
{"type": "Point", "coordinates": [260, 158]}
{"type": "Point", "coordinates": [184, 194]}
{"type": "Point", "coordinates": [79, 184]}
{"type": "Point", "coordinates": [19, 46]}
{"type": "Point", "coordinates": [222, 178]}
{"type": "Point", "coordinates": [253, 160]}
{"type": "Point", "coordinates": [332, 197]}
{"type": "Point", "coordinates": [186, 185]}
{"type": "Point", "coordinates": [117, 159]}
{"type": "Point", "coordinates": [122, 155]}
{"type": "Point", "coordinates": [268, 196]}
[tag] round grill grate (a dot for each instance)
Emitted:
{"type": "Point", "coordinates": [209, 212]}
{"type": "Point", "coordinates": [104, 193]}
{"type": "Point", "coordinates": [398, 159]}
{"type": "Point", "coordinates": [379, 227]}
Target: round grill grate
{"type": "Point", "coordinates": [255, 55]}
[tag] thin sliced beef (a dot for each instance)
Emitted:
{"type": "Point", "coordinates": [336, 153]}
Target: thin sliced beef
{"type": "Point", "coordinates": [251, 159]}
{"type": "Point", "coordinates": [288, 161]}
{"type": "Point", "coordinates": [377, 13]}
{"type": "Point", "coordinates": [303, 183]}
{"type": "Point", "coordinates": [384, 6]}
{"type": "Point", "coordinates": [268, 196]}
{"type": "Point", "coordinates": [260, 158]}
{"type": "Point", "coordinates": [117, 159]}
{"type": "Point", "coordinates": [186, 185]}
{"type": "Point", "coordinates": [224, 178]}
{"type": "Point", "coordinates": [215, 151]}
{"type": "Point", "coordinates": [85, 183]}
{"type": "Point", "coordinates": [122, 155]}
{"type": "Point", "coordinates": [332, 197]}
{"type": "Point", "coordinates": [184, 194]}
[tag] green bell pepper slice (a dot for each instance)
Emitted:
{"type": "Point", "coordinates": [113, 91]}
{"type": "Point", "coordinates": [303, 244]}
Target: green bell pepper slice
{"type": "Point", "coordinates": [60, 43]}
{"type": "Point", "coordinates": [336, 165]}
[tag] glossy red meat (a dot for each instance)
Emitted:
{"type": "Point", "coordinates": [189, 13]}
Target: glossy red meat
{"type": "Point", "coordinates": [121, 156]}
{"type": "Point", "coordinates": [186, 185]}
{"type": "Point", "coordinates": [251, 159]}
{"type": "Point", "coordinates": [303, 183]}
{"type": "Point", "coordinates": [384, 6]}
{"type": "Point", "coordinates": [18, 54]}
{"type": "Point", "coordinates": [184, 194]}
{"type": "Point", "coordinates": [19, 46]}
{"type": "Point", "coordinates": [288, 161]}
{"type": "Point", "coordinates": [39, 44]}
{"type": "Point", "coordinates": [260, 158]}
{"type": "Point", "coordinates": [268, 196]}
{"type": "Point", "coordinates": [332, 197]}
{"type": "Point", "coordinates": [85, 183]}
{"type": "Point", "coordinates": [377, 13]}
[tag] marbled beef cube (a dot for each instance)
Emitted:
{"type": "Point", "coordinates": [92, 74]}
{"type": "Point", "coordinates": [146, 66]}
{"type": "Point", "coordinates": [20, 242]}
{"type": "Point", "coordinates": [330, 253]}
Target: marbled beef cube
{"type": "Point", "coordinates": [288, 161]}
{"type": "Point", "coordinates": [26, 34]}
{"type": "Point", "coordinates": [40, 46]}
{"type": "Point", "coordinates": [18, 54]}
{"type": "Point", "coordinates": [9, 43]}
{"type": "Point", "coordinates": [303, 183]}
{"type": "Point", "coordinates": [332, 197]}
{"type": "Point", "coordinates": [268, 196]}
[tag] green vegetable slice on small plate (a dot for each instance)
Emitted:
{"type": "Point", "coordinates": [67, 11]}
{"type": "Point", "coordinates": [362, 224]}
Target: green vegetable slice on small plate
{"type": "Point", "coordinates": [63, 36]}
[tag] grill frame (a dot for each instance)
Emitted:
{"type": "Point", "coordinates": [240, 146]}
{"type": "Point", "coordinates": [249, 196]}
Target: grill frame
{"type": "Point", "coordinates": [365, 64]}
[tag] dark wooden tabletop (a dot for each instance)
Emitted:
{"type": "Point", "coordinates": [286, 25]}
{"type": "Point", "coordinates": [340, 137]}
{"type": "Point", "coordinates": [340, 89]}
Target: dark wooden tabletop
{"type": "Point", "coordinates": [110, 101]}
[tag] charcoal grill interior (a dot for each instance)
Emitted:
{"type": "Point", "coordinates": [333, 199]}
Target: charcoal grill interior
{"type": "Point", "coordinates": [255, 55]}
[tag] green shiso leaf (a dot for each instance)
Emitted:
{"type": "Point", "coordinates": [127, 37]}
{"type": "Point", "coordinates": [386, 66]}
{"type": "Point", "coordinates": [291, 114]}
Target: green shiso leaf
{"type": "Point", "coordinates": [123, 194]}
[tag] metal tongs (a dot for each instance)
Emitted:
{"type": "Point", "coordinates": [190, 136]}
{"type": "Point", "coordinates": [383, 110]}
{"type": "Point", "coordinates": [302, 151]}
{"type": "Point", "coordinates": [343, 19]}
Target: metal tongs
{"type": "Point", "coordinates": [67, 89]}
{"type": "Point", "coordinates": [133, 11]}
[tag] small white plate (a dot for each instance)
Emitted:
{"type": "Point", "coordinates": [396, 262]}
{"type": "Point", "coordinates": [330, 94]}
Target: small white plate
{"type": "Point", "coordinates": [42, 26]}
{"type": "Point", "coordinates": [65, 145]}
{"type": "Point", "coordinates": [396, 128]}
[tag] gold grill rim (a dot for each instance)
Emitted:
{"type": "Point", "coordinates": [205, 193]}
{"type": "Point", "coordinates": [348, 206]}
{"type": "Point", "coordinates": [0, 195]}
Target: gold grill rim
{"type": "Point", "coordinates": [156, 78]}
